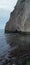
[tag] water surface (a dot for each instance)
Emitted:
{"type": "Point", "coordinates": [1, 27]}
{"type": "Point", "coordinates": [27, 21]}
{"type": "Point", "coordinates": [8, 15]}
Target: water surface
{"type": "Point", "coordinates": [12, 47]}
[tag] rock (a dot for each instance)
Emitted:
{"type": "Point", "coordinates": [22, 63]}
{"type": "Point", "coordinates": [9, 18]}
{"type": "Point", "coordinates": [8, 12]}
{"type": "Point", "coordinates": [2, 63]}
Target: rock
{"type": "Point", "coordinates": [19, 18]}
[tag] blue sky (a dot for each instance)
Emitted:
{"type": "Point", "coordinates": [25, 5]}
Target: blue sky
{"type": "Point", "coordinates": [6, 6]}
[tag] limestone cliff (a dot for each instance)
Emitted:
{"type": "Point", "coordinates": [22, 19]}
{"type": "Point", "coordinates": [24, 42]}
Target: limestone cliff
{"type": "Point", "coordinates": [20, 17]}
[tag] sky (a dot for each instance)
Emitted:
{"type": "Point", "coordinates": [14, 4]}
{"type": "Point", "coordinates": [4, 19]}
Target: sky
{"type": "Point", "coordinates": [6, 7]}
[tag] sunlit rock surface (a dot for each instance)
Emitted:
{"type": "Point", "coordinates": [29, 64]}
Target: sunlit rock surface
{"type": "Point", "coordinates": [19, 18]}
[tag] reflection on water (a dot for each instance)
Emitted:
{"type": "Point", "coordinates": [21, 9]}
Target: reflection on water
{"type": "Point", "coordinates": [14, 49]}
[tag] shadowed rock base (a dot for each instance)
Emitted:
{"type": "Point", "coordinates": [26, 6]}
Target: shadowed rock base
{"type": "Point", "coordinates": [23, 33]}
{"type": "Point", "coordinates": [6, 31]}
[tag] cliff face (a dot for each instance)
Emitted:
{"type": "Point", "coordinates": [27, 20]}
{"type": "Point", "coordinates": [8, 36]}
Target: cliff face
{"type": "Point", "coordinates": [20, 17]}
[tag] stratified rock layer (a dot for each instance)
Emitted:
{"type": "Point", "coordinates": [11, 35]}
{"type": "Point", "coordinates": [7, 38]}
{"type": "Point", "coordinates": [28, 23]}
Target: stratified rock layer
{"type": "Point", "coordinates": [19, 18]}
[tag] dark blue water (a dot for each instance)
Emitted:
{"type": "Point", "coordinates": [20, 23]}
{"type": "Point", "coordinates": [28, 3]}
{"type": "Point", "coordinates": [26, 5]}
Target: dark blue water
{"type": "Point", "coordinates": [10, 46]}
{"type": "Point", "coordinates": [5, 46]}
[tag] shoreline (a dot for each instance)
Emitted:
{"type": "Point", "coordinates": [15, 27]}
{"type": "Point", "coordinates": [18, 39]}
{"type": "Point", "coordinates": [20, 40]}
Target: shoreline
{"type": "Point", "coordinates": [20, 32]}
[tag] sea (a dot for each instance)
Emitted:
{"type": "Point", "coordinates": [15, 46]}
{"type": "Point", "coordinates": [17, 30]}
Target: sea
{"type": "Point", "coordinates": [10, 46]}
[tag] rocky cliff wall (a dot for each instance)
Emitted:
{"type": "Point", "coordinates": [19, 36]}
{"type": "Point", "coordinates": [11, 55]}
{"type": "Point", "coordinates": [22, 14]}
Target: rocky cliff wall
{"type": "Point", "coordinates": [20, 17]}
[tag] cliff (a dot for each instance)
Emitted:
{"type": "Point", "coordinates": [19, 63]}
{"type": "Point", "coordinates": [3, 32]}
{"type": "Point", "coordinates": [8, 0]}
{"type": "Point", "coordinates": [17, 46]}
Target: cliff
{"type": "Point", "coordinates": [19, 18]}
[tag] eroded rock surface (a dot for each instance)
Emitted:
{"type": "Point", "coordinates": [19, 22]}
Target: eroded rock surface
{"type": "Point", "coordinates": [20, 17]}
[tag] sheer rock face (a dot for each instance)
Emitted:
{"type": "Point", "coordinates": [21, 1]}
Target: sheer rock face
{"type": "Point", "coordinates": [20, 17]}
